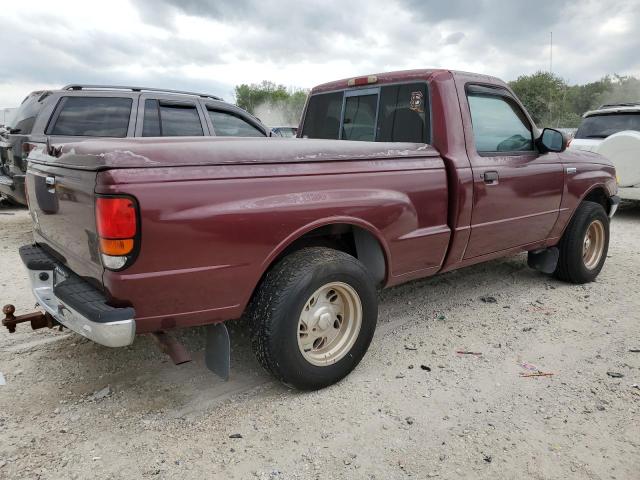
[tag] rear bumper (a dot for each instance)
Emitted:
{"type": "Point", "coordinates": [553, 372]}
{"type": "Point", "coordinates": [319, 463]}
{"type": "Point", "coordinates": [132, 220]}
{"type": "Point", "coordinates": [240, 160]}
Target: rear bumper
{"type": "Point", "coordinates": [75, 303]}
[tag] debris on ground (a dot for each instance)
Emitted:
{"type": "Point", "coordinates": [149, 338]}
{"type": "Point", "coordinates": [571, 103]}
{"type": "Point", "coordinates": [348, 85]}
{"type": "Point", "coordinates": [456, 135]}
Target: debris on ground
{"type": "Point", "coordinates": [410, 346]}
{"type": "Point", "coordinates": [488, 299]}
{"type": "Point", "coordinates": [466, 352]}
{"type": "Point", "coordinates": [409, 420]}
{"type": "Point", "coordinates": [615, 374]}
{"type": "Point", "coordinates": [101, 394]}
{"type": "Point", "coordinates": [424, 367]}
{"type": "Point", "coordinates": [634, 350]}
{"type": "Point", "coordinates": [533, 371]}
{"type": "Point", "coordinates": [487, 458]}
{"type": "Point", "coordinates": [235, 435]}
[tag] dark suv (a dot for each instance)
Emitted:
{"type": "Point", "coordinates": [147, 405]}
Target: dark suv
{"type": "Point", "coordinates": [88, 111]}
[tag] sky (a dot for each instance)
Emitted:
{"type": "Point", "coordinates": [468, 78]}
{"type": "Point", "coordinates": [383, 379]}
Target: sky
{"type": "Point", "coordinates": [210, 46]}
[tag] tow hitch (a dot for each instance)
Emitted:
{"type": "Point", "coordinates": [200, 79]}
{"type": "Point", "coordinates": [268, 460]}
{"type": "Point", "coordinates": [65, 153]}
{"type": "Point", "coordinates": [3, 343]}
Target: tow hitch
{"type": "Point", "coordinates": [37, 319]}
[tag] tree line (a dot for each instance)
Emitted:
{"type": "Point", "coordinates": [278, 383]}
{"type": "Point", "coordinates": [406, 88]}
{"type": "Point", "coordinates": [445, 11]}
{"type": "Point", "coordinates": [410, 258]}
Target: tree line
{"type": "Point", "coordinates": [553, 103]}
{"type": "Point", "coordinates": [550, 100]}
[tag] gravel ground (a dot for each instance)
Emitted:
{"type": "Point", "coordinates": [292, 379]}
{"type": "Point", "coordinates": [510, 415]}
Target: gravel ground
{"type": "Point", "coordinates": [413, 408]}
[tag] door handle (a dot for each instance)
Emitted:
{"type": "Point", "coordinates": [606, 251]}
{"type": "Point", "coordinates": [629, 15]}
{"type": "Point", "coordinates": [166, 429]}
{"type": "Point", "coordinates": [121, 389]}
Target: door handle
{"type": "Point", "coordinates": [490, 177]}
{"type": "Point", "coordinates": [51, 184]}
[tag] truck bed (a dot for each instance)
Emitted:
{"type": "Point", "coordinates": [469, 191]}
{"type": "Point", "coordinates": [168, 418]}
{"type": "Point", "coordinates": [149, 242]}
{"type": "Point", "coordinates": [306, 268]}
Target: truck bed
{"type": "Point", "coordinates": [214, 213]}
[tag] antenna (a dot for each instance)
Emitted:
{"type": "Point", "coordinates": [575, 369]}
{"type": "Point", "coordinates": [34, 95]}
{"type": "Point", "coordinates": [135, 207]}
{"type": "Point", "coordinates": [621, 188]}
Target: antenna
{"type": "Point", "coordinates": [551, 53]}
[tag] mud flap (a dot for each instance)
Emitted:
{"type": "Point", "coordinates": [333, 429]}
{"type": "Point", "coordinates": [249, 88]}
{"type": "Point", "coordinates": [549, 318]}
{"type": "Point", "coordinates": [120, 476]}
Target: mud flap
{"type": "Point", "coordinates": [217, 350]}
{"type": "Point", "coordinates": [545, 260]}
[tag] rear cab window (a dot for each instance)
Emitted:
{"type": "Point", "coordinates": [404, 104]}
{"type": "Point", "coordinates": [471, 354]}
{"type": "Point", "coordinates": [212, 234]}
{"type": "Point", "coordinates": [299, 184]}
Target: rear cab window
{"type": "Point", "coordinates": [389, 113]}
{"type": "Point", "coordinates": [89, 116]}
{"type": "Point", "coordinates": [604, 125]}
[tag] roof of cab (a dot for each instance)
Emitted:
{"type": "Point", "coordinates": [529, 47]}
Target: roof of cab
{"type": "Point", "coordinates": [402, 76]}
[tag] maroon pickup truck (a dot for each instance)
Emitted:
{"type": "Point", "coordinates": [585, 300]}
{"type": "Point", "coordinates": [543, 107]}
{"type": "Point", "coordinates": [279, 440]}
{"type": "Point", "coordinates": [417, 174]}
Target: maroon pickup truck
{"type": "Point", "coordinates": [136, 236]}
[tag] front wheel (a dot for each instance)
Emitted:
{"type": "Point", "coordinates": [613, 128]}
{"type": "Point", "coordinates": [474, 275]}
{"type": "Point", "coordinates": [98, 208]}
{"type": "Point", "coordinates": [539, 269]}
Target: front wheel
{"type": "Point", "coordinates": [584, 245]}
{"type": "Point", "coordinates": [313, 317]}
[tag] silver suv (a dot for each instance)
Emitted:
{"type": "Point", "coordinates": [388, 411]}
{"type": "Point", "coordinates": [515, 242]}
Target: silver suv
{"type": "Point", "coordinates": [92, 111]}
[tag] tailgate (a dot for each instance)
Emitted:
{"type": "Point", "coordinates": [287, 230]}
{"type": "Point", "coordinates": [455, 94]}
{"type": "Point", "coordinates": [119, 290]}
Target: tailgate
{"type": "Point", "coordinates": [62, 205]}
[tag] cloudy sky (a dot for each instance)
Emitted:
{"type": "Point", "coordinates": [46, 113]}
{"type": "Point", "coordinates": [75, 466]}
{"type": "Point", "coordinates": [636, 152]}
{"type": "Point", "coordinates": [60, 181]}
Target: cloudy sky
{"type": "Point", "coordinates": [212, 45]}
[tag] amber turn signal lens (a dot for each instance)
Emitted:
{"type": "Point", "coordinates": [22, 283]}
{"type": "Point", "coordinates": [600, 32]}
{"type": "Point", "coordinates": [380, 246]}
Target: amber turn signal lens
{"type": "Point", "coordinates": [116, 247]}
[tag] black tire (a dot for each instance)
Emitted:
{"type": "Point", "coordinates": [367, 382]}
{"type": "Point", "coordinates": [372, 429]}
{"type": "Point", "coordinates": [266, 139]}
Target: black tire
{"type": "Point", "coordinates": [571, 264]}
{"type": "Point", "coordinates": [275, 310]}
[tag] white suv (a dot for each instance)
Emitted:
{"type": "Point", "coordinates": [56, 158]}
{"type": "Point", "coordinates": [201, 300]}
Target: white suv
{"type": "Point", "coordinates": [614, 131]}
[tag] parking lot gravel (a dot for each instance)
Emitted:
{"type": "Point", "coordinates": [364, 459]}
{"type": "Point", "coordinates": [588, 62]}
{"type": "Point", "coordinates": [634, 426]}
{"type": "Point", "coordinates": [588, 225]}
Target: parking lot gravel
{"type": "Point", "coordinates": [451, 388]}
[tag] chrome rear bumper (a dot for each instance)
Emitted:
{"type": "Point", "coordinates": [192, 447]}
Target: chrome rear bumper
{"type": "Point", "coordinates": [76, 304]}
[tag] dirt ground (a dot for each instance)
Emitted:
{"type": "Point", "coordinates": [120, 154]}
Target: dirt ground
{"type": "Point", "coordinates": [414, 408]}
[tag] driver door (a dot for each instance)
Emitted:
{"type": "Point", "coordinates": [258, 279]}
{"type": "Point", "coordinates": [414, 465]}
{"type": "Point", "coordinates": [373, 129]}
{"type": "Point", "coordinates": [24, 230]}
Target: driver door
{"type": "Point", "coordinates": [517, 190]}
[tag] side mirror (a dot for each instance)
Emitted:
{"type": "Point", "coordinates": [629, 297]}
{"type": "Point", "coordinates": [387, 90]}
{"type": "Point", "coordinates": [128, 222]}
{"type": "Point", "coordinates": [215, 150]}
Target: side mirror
{"type": "Point", "coordinates": [552, 141]}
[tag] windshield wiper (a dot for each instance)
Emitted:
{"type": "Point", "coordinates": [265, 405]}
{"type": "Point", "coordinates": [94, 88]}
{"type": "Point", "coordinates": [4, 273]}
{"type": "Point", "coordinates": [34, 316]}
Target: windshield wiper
{"type": "Point", "coordinates": [596, 136]}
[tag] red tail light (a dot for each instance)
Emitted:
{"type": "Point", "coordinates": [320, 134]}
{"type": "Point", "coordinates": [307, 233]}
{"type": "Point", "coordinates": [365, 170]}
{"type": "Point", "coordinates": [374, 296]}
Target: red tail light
{"type": "Point", "coordinates": [117, 225]}
{"type": "Point", "coordinates": [116, 217]}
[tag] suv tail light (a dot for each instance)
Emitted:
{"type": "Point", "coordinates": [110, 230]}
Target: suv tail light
{"type": "Point", "coordinates": [117, 225]}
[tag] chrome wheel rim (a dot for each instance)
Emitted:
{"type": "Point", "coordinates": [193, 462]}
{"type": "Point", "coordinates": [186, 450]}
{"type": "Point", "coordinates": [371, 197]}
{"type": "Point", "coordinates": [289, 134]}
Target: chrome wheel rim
{"type": "Point", "coordinates": [329, 324]}
{"type": "Point", "coordinates": [593, 244]}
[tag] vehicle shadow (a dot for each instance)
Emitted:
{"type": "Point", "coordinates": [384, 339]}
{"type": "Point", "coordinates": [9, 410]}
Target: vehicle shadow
{"type": "Point", "coordinates": [629, 209]}
{"type": "Point", "coordinates": [6, 207]}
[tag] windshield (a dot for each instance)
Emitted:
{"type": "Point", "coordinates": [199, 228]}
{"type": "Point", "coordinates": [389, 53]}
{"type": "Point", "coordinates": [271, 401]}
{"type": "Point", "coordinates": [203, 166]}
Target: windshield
{"type": "Point", "coordinates": [23, 119]}
{"type": "Point", "coordinates": [601, 126]}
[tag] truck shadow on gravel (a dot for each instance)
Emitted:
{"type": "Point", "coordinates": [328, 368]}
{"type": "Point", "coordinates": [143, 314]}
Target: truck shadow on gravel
{"type": "Point", "coordinates": [145, 380]}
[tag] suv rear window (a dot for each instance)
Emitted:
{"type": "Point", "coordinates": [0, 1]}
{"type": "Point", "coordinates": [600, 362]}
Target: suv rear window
{"type": "Point", "coordinates": [23, 119]}
{"type": "Point", "coordinates": [226, 124]}
{"type": "Point", "coordinates": [169, 119]}
{"type": "Point", "coordinates": [91, 117]}
{"type": "Point", "coordinates": [391, 113]}
{"type": "Point", "coordinates": [601, 126]}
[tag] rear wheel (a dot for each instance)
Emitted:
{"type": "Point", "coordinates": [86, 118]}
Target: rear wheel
{"type": "Point", "coordinates": [584, 245]}
{"type": "Point", "coordinates": [313, 317]}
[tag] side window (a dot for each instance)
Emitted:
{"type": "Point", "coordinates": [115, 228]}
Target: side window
{"type": "Point", "coordinates": [92, 117]}
{"type": "Point", "coordinates": [168, 119]}
{"type": "Point", "coordinates": [404, 114]}
{"type": "Point", "coordinates": [226, 124]}
{"type": "Point", "coordinates": [322, 119]}
{"type": "Point", "coordinates": [360, 118]}
{"type": "Point", "coordinates": [498, 124]}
